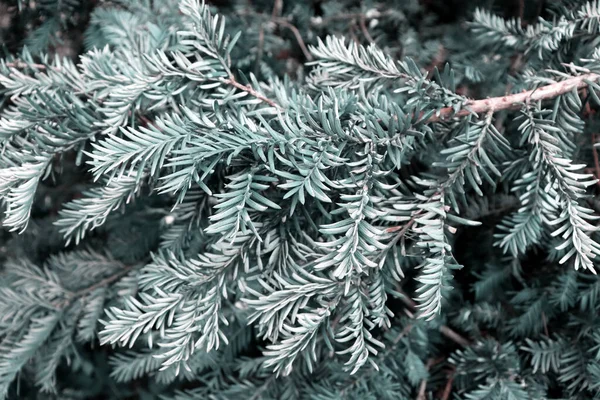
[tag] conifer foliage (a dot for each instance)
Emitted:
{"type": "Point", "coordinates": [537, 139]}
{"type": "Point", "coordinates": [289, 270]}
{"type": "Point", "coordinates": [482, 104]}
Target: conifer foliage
{"type": "Point", "coordinates": [287, 200]}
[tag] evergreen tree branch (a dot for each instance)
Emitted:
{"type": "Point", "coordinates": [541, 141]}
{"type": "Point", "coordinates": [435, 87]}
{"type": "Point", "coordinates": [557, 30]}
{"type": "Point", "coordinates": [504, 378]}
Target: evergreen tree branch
{"type": "Point", "coordinates": [516, 101]}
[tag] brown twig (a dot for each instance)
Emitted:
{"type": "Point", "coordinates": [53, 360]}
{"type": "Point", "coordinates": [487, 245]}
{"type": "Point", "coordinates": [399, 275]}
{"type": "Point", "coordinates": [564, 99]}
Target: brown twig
{"type": "Point", "coordinates": [352, 32]}
{"type": "Point", "coordinates": [410, 303]}
{"type": "Point", "coordinates": [145, 120]}
{"type": "Point", "coordinates": [448, 387]}
{"type": "Point", "coordinates": [401, 228]}
{"type": "Point", "coordinates": [444, 330]}
{"type": "Point", "coordinates": [248, 89]}
{"type": "Point", "coordinates": [287, 24]}
{"type": "Point", "coordinates": [422, 388]}
{"type": "Point", "coordinates": [72, 296]}
{"type": "Point", "coordinates": [363, 28]}
{"type": "Point", "coordinates": [352, 16]}
{"type": "Point", "coordinates": [22, 64]}
{"type": "Point", "coordinates": [545, 324]}
{"type": "Point", "coordinates": [521, 11]}
{"type": "Point", "coordinates": [455, 337]}
{"type": "Point", "coordinates": [261, 43]}
{"type": "Point", "coordinates": [515, 101]}
{"type": "Point", "coordinates": [404, 332]}
{"type": "Point", "coordinates": [596, 162]}
{"type": "Point", "coordinates": [277, 8]}
{"type": "Point", "coordinates": [297, 35]}
{"type": "Point", "coordinates": [105, 282]}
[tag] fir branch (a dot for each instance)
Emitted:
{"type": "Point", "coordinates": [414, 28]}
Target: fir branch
{"type": "Point", "coordinates": [516, 101]}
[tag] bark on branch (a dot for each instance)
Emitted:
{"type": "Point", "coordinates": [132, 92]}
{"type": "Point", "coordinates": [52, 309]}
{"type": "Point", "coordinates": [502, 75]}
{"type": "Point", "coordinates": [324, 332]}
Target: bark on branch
{"type": "Point", "coordinates": [248, 89]}
{"type": "Point", "coordinates": [515, 101]}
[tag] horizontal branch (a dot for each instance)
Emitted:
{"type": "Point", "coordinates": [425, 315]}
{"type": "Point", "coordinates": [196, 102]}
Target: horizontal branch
{"type": "Point", "coordinates": [22, 64]}
{"type": "Point", "coordinates": [229, 81]}
{"type": "Point", "coordinates": [515, 101]}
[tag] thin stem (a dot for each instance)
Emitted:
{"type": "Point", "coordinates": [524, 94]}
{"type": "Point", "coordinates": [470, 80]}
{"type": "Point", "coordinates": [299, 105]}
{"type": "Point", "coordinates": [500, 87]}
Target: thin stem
{"type": "Point", "coordinates": [454, 336]}
{"type": "Point", "coordinates": [297, 35]}
{"type": "Point", "coordinates": [515, 101]}
{"type": "Point", "coordinates": [105, 282]}
{"type": "Point", "coordinates": [422, 388]}
{"type": "Point", "coordinates": [521, 11]}
{"type": "Point", "coordinates": [444, 329]}
{"type": "Point", "coordinates": [22, 64]}
{"type": "Point", "coordinates": [259, 54]}
{"type": "Point", "coordinates": [596, 162]}
{"type": "Point", "coordinates": [352, 16]}
{"type": "Point", "coordinates": [248, 89]}
{"type": "Point", "coordinates": [448, 387]}
{"type": "Point", "coordinates": [363, 28]}
{"type": "Point", "coordinates": [277, 8]}
{"type": "Point", "coordinates": [285, 23]}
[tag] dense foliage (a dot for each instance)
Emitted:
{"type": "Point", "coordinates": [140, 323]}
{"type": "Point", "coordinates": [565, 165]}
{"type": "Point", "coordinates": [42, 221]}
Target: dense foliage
{"type": "Point", "coordinates": [299, 200]}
